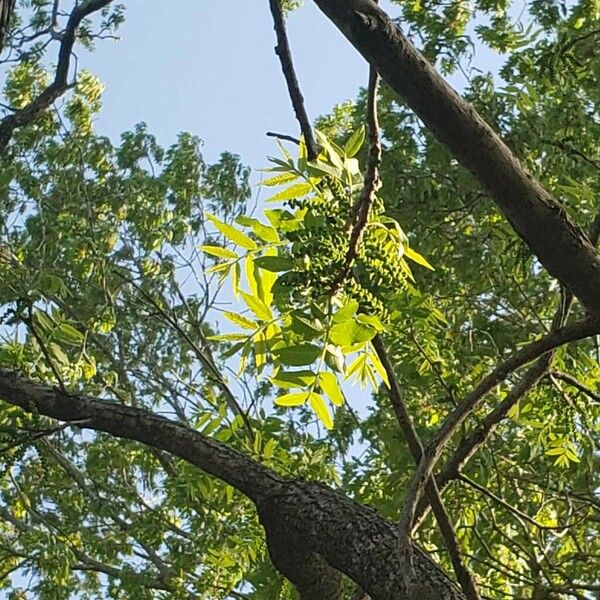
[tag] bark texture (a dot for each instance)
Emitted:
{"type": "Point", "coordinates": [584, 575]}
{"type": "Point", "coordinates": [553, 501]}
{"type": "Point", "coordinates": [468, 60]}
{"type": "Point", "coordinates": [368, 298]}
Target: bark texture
{"type": "Point", "coordinates": [561, 246]}
{"type": "Point", "coordinates": [329, 531]}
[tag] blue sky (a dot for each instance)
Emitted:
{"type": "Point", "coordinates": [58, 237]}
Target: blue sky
{"type": "Point", "coordinates": [209, 68]}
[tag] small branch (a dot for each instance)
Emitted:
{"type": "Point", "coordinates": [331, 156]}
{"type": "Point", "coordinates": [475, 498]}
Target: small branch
{"type": "Point", "coordinates": [284, 137]}
{"type": "Point", "coordinates": [285, 57]}
{"type": "Point", "coordinates": [457, 417]}
{"type": "Point", "coordinates": [359, 216]}
{"type": "Point", "coordinates": [416, 449]}
{"type": "Point", "coordinates": [572, 381]}
{"type": "Point", "coordinates": [513, 509]}
{"type": "Point", "coordinates": [60, 85]}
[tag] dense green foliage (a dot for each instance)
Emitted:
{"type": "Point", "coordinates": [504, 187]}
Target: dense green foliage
{"type": "Point", "coordinates": [114, 259]}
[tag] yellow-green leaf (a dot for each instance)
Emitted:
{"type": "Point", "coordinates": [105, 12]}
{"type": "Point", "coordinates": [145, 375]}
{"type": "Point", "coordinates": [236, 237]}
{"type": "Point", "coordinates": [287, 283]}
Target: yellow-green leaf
{"type": "Point", "coordinates": [235, 235]}
{"type": "Point", "coordinates": [295, 399]}
{"type": "Point", "coordinates": [329, 384]}
{"type": "Point", "coordinates": [321, 410]}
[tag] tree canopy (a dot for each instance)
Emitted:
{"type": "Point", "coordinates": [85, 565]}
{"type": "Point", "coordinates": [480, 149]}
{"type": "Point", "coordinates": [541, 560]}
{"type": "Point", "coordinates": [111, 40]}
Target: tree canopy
{"type": "Point", "coordinates": [383, 383]}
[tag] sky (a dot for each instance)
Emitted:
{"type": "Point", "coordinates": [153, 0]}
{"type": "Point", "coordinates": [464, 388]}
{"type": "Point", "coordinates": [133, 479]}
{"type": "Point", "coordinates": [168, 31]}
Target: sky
{"type": "Point", "coordinates": [210, 68]}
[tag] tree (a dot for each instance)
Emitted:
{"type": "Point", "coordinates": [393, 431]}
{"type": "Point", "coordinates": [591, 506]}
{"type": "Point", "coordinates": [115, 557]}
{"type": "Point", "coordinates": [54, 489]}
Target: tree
{"type": "Point", "coordinates": [141, 460]}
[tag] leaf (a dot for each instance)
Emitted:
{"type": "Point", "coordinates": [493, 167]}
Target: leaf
{"type": "Point", "coordinates": [358, 364]}
{"type": "Point", "coordinates": [295, 191]}
{"type": "Point", "coordinates": [416, 257]}
{"type": "Point", "coordinates": [354, 144]}
{"type": "Point", "coordinates": [330, 385]}
{"type": "Point", "coordinates": [265, 232]}
{"type": "Point", "coordinates": [257, 306]}
{"type": "Point", "coordinates": [218, 251]}
{"type": "Point", "coordinates": [292, 379]}
{"type": "Point", "coordinates": [346, 312]}
{"type": "Point", "coordinates": [371, 321]}
{"type": "Point", "coordinates": [379, 368]}
{"type": "Point", "coordinates": [275, 264]}
{"type": "Point", "coordinates": [334, 157]}
{"type": "Point", "coordinates": [240, 320]}
{"type": "Point", "coordinates": [225, 337]}
{"type": "Point", "coordinates": [349, 333]}
{"type": "Point", "coordinates": [67, 334]}
{"type": "Point", "coordinates": [235, 279]}
{"type": "Point", "coordinates": [260, 351]}
{"type": "Point", "coordinates": [321, 410]}
{"type": "Point", "coordinates": [45, 322]}
{"type": "Point", "coordinates": [298, 356]}
{"type": "Point", "coordinates": [279, 179]}
{"type": "Point", "coordinates": [295, 399]}
{"type": "Point", "coordinates": [235, 235]}
{"type": "Point", "coordinates": [334, 358]}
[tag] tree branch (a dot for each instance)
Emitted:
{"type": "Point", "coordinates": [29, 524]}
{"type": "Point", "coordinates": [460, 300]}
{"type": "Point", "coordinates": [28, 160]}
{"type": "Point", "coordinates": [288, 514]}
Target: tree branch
{"type": "Point", "coordinates": [433, 495]}
{"type": "Point", "coordinates": [456, 418]}
{"type": "Point", "coordinates": [359, 215]}
{"type": "Point", "coordinates": [287, 65]}
{"type": "Point", "coordinates": [535, 215]}
{"type": "Point", "coordinates": [60, 85]}
{"type": "Point", "coordinates": [350, 537]}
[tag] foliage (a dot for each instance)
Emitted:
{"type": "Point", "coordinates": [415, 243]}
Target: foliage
{"type": "Point", "coordinates": [300, 317]}
{"type": "Point", "coordinates": [113, 260]}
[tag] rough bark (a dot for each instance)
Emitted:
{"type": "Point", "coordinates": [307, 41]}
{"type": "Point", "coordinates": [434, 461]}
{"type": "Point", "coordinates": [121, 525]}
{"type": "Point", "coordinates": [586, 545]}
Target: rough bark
{"type": "Point", "coordinates": [7, 8]}
{"type": "Point", "coordinates": [351, 538]}
{"type": "Point", "coordinates": [561, 246]}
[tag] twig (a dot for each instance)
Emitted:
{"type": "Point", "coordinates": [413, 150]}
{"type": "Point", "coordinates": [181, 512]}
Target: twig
{"type": "Point", "coordinates": [283, 136]}
{"type": "Point", "coordinates": [60, 85]}
{"type": "Point", "coordinates": [569, 379]}
{"type": "Point", "coordinates": [359, 215]}
{"type": "Point", "coordinates": [285, 57]}
{"type": "Point", "coordinates": [457, 417]}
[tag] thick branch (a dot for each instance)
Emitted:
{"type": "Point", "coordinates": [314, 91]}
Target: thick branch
{"type": "Point", "coordinates": [7, 8]}
{"type": "Point", "coordinates": [287, 65]}
{"type": "Point", "coordinates": [350, 537]}
{"type": "Point", "coordinates": [60, 84]}
{"type": "Point", "coordinates": [534, 214]}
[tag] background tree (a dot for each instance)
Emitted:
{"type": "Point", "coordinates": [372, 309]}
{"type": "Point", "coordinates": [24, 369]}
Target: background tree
{"type": "Point", "coordinates": [113, 259]}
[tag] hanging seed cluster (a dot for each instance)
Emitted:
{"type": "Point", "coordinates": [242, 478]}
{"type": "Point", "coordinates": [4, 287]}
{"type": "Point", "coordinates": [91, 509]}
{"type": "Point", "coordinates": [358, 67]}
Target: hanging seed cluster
{"type": "Point", "coordinates": [320, 249]}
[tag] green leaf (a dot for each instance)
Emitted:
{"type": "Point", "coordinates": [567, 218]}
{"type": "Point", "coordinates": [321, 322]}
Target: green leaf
{"type": "Point", "coordinates": [298, 356]}
{"type": "Point", "coordinates": [275, 264]}
{"type": "Point", "coordinates": [330, 385]}
{"type": "Point", "coordinates": [334, 358]}
{"type": "Point", "coordinates": [295, 191]}
{"type": "Point", "coordinates": [257, 306]}
{"type": "Point", "coordinates": [67, 334]}
{"type": "Point", "coordinates": [349, 333]}
{"type": "Point", "coordinates": [295, 399]}
{"type": "Point", "coordinates": [240, 320]}
{"type": "Point", "coordinates": [44, 321]}
{"type": "Point", "coordinates": [354, 144]}
{"type": "Point", "coordinates": [279, 179]}
{"type": "Point", "coordinates": [225, 337]}
{"type": "Point", "coordinates": [293, 379]}
{"type": "Point", "coordinates": [416, 257]}
{"type": "Point", "coordinates": [379, 368]}
{"type": "Point", "coordinates": [318, 405]}
{"type": "Point", "coordinates": [346, 312]}
{"type": "Point", "coordinates": [235, 235]}
{"type": "Point", "coordinates": [218, 251]}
